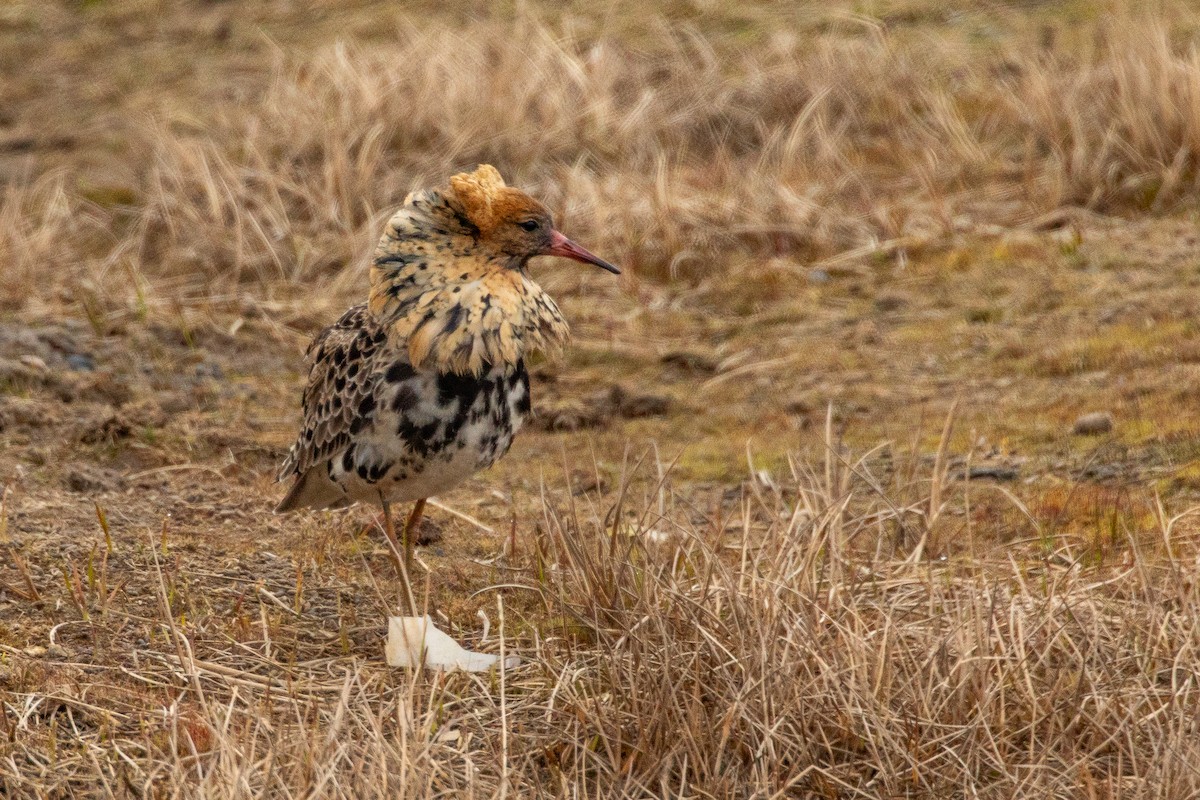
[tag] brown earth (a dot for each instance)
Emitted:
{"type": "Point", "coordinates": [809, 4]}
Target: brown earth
{"type": "Point", "coordinates": [145, 581]}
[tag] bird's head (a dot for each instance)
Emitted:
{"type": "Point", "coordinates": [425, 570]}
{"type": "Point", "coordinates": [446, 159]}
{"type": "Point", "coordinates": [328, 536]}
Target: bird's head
{"type": "Point", "coordinates": [449, 275]}
{"type": "Point", "coordinates": [511, 223]}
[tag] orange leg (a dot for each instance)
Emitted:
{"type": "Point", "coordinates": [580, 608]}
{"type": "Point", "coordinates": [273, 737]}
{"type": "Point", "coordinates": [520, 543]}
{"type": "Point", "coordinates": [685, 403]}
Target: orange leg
{"type": "Point", "coordinates": [402, 563]}
{"type": "Point", "coordinates": [410, 531]}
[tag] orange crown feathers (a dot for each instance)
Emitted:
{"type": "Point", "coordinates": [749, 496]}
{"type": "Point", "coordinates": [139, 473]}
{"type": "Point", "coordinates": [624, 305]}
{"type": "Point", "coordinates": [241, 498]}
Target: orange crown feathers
{"type": "Point", "coordinates": [478, 192]}
{"type": "Point", "coordinates": [487, 200]}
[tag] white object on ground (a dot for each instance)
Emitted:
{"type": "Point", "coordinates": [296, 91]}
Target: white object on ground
{"type": "Point", "coordinates": [408, 636]}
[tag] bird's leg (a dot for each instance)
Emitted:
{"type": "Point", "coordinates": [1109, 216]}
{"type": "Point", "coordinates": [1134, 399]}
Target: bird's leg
{"type": "Point", "coordinates": [401, 563]}
{"type": "Point", "coordinates": [410, 531]}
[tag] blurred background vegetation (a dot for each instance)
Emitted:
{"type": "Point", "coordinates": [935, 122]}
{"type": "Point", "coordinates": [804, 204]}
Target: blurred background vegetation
{"type": "Point", "coordinates": [958, 237]}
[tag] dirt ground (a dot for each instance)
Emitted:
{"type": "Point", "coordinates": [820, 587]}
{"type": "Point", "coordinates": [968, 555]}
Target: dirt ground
{"type": "Point", "coordinates": [138, 451]}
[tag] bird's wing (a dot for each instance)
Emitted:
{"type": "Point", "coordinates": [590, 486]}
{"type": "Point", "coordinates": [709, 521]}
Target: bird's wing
{"type": "Point", "coordinates": [340, 378]}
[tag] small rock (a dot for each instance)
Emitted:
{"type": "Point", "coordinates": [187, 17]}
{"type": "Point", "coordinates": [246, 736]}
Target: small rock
{"type": "Point", "coordinates": [89, 478]}
{"type": "Point", "coordinates": [632, 406]}
{"type": "Point", "coordinates": [800, 408]}
{"type": "Point", "coordinates": [566, 416]}
{"type": "Point", "coordinates": [692, 362]}
{"type": "Point", "coordinates": [818, 276]}
{"type": "Point", "coordinates": [889, 302]}
{"type": "Point", "coordinates": [80, 362]}
{"type": "Point", "coordinates": [428, 532]}
{"type": "Point", "coordinates": [995, 472]}
{"type": "Point", "coordinates": [35, 362]}
{"type": "Point", "coordinates": [1103, 472]}
{"type": "Point", "coordinates": [644, 405]}
{"type": "Point", "coordinates": [1093, 424]}
{"type": "Point", "coordinates": [210, 369]}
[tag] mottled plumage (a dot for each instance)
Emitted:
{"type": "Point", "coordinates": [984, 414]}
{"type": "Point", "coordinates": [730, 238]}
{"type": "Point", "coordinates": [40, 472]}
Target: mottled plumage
{"type": "Point", "coordinates": [410, 394]}
{"type": "Point", "coordinates": [456, 305]}
{"type": "Point", "coordinates": [375, 426]}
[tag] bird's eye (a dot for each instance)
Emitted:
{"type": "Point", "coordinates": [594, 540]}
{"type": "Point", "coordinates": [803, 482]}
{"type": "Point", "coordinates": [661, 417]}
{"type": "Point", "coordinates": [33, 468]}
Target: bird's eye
{"type": "Point", "coordinates": [529, 225]}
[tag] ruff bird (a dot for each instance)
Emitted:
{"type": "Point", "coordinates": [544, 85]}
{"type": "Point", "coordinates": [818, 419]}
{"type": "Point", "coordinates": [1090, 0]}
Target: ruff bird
{"type": "Point", "coordinates": [425, 384]}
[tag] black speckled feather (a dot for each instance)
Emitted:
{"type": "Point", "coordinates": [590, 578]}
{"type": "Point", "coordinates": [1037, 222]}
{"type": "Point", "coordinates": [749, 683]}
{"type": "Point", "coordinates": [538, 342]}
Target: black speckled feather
{"type": "Point", "coordinates": [341, 376]}
{"type": "Point", "coordinates": [376, 427]}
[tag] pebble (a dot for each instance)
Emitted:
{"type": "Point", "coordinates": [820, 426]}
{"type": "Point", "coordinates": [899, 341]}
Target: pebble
{"type": "Point", "coordinates": [1093, 424]}
{"type": "Point", "coordinates": [632, 406]}
{"type": "Point", "coordinates": [818, 276]}
{"type": "Point", "coordinates": [569, 415]}
{"type": "Point", "coordinates": [87, 479]}
{"type": "Point", "coordinates": [800, 407]}
{"type": "Point", "coordinates": [428, 532]}
{"type": "Point", "coordinates": [210, 369]}
{"type": "Point", "coordinates": [692, 362]}
{"type": "Point", "coordinates": [992, 472]}
{"type": "Point", "coordinates": [1103, 472]}
{"type": "Point", "coordinates": [80, 362]}
{"type": "Point", "coordinates": [34, 362]}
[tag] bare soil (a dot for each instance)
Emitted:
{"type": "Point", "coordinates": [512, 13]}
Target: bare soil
{"type": "Point", "coordinates": [886, 436]}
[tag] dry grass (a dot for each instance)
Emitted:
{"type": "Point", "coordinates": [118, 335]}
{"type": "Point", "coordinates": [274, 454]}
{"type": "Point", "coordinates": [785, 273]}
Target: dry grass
{"type": "Point", "coordinates": [684, 157]}
{"type": "Point", "coordinates": [690, 156]}
{"type": "Point", "coordinates": [791, 643]}
{"type": "Point", "coordinates": [861, 628]}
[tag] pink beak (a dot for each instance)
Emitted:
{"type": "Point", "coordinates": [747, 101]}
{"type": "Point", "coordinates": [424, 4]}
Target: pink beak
{"type": "Point", "coordinates": [562, 246]}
